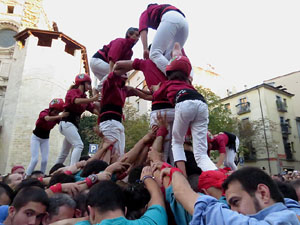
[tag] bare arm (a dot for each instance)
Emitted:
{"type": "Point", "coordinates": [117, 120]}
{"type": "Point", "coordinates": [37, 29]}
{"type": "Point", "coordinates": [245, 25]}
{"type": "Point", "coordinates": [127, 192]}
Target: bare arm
{"type": "Point", "coordinates": [143, 95]}
{"type": "Point", "coordinates": [221, 160]}
{"type": "Point", "coordinates": [58, 117]}
{"type": "Point", "coordinates": [122, 66]}
{"type": "Point", "coordinates": [86, 100]}
{"type": "Point", "coordinates": [183, 192]}
{"type": "Point", "coordinates": [144, 39]}
{"type": "Point", "coordinates": [111, 66]}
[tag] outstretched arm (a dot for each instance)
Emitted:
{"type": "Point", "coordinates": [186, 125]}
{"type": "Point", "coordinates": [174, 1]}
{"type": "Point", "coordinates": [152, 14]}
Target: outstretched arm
{"type": "Point", "coordinates": [144, 39]}
{"type": "Point", "coordinates": [122, 66]}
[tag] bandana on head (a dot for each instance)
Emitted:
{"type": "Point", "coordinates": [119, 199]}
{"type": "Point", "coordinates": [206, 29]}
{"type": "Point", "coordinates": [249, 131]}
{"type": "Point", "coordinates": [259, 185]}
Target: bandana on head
{"type": "Point", "coordinates": [211, 178]}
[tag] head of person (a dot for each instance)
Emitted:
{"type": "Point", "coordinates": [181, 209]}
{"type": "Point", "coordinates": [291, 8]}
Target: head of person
{"type": "Point", "coordinates": [19, 170]}
{"type": "Point", "coordinates": [133, 33]}
{"type": "Point", "coordinates": [56, 106]}
{"type": "Point", "coordinates": [250, 189]}
{"type": "Point", "coordinates": [83, 81]}
{"type": "Point", "coordinates": [61, 206]}
{"type": "Point", "coordinates": [287, 190]}
{"type": "Point", "coordinates": [210, 183]}
{"type": "Point", "coordinates": [28, 207]}
{"type": "Point", "coordinates": [103, 197]}
{"type": "Point", "coordinates": [36, 174]}
{"type": "Point", "coordinates": [81, 209]}
{"type": "Point", "coordinates": [93, 167]}
{"type": "Point", "coordinates": [29, 183]}
{"type": "Point", "coordinates": [179, 68]}
{"type": "Point", "coordinates": [135, 174]}
{"type": "Point", "coordinates": [6, 194]}
{"type": "Point", "coordinates": [61, 178]}
{"type": "Point", "coordinates": [296, 185]}
{"type": "Point", "coordinates": [84, 157]}
{"type": "Point", "coordinates": [12, 180]}
{"type": "Point", "coordinates": [56, 167]}
{"type": "Point", "coordinates": [136, 200]}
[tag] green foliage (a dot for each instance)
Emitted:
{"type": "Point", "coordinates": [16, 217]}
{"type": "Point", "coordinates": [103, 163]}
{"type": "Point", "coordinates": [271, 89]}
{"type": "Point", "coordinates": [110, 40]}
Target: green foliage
{"type": "Point", "coordinates": [220, 118]}
{"type": "Point", "coordinates": [135, 126]}
{"type": "Point", "coordinates": [87, 133]}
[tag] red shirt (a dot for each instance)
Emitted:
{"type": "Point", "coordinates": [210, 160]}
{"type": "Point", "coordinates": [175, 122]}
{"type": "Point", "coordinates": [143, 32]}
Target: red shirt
{"type": "Point", "coordinates": [42, 123]}
{"type": "Point", "coordinates": [73, 108]}
{"type": "Point", "coordinates": [219, 143]}
{"type": "Point", "coordinates": [170, 88]}
{"type": "Point", "coordinates": [152, 15]}
{"type": "Point", "coordinates": [114, 91]}
{"type": "Point", "coordinates": [118, 49]}
{"type": "Point", "coordinates": [153, 75]}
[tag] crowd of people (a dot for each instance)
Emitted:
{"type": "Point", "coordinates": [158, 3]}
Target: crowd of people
{"type": "Point", "coordinates": [168, 176]}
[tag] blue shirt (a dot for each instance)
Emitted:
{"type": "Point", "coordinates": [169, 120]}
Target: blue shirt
{"type": "Point", "coordinates": [209, 211]}
{"type": "Point", "coordinates": [292, 205]}
{"type": "Point", "coordinates": [3, 212]}
{"type": "Point", "coordinates": [155, 215]}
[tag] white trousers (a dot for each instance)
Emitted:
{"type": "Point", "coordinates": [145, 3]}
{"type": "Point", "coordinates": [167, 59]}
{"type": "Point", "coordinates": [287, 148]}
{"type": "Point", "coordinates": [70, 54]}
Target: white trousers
{"type": "Point", "coordinates": [230, 155]}
{"type": "Point", "coordinates": [100, 68]}
{"type": "Point", "coordinates": [172, 28]}
{"type": "Point", "coordinates": [170, 114]}
{"type": "Point", "coordinates": [193, 113]}
{"type": "Point", "coordinates": [72, 139]}
{"type": "Point", "coordinates": [113, 130]}
{"type": "Point", "coordinates": [37, 143]}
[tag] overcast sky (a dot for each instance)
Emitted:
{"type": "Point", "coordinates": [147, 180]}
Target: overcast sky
{"type": "Point", "coordinates": [246, 41]}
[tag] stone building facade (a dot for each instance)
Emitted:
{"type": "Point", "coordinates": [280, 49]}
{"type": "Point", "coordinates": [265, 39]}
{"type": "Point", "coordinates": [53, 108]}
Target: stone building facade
{"type": "Point", "coordinates": [38, 66]}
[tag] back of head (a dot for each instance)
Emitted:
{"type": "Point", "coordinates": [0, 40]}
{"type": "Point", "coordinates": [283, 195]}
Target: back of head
{"type": "Point", "coordinates": [61, 178]}
{"type": "Point", "coordinates": [56, 167]}
{"type": "Point", "coordinates": [81, 200]}
{"type": "Point", "coordinates": [36, 174]}
{"type": "Point", "coordinates": [136, 199]}
{"type": "Point", "coordinates": [106, 196]}
{"type": "Point", "coordinates": [30, 182]}
{"type": "Point", "coordinates": [30, 194]}
{"type": "Point", "coordinates": [211, 178]}
{"type": "Point", "coordinates": [250, 178]}
{"type": "Point", "coordinates": [176, 64]}
{"type": "Point", "coordinates": [93, 167]}
{"type": "Point", "coordinates": [135, 174]}
{"type": "Point", "coordinates": [287, 190]}
{"type": "Point", "coordinates": [58, 200]}
{"type": "Point", "coordinates": [5, 189]}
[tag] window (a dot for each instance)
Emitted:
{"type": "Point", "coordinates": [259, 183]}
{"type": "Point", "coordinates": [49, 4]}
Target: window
{"type": "Point", "coordinates": [243, 100]}
{"type": "Point", "coordinates": [284, 102]}
{"type": "Point", "coordinates": [10, 9]}
{"type": "Point", "coordinates": [7, 38]}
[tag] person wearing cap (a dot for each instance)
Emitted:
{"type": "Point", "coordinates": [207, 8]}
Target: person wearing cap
{"type": "Point", "coordinates": [190, 111]}
{"type": "Point", "coordinates": [48, 118]}
{"type": "Point", "coordinates": [76, 102]}
{"type": "Point", "coordinates": [171, 26]}
{"type": "Point", "coordinates": [104, 59]}
{"type": "Point", "coordinates": [18, 169]}
{"type": "Point", "coordinates": [227, 144]}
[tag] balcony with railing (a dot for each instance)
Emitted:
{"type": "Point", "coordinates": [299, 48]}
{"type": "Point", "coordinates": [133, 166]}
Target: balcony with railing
{"type": "Point", "coordinates": [243, 108]}
{"type": "Point", "coordinates": [281, 106]}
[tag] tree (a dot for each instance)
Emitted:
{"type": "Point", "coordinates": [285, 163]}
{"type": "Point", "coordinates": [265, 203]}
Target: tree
{"type": "Point", "coordinates": [136, 126]}
{"type": "Point", "coordinates": [220, 118]}
{"type": "Point", "coordinates": [87, 133]}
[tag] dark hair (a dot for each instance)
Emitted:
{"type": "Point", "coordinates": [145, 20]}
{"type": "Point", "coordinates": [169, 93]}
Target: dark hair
{"type": "Point", "coordinates": [36, 172]}
{"type": "Point", "coordinates": [295, 183]}
{"type": "Point", "coordinates": [73, 86]}
{"type": "Point", "coordinates": [193, 181]}
{"type": "Point", "coordinates": [250, 177]}
{"type": "Point", "coordinates": [136, 198]}
{"type": "Point", "coordinates": [30, 194]}
{"type": "Point", "coordinates": [4, 188]}
{"type": "Point", "coordinates": [130, 31]}
{"type": "Point", "coordinates": [56, 167]}
{"type": "Point", "coordinates": [94, 166]}
{"type": "Point", "coordinates": [61, 178]}
{"type": "Point", "coordinates": [84, 157]}
{"type": "Point", "coordinates": [58, 200]}
{"type": "Point", "coordinates": [177, 75]}
{"type": "Point", "coordinates": [106, 196]}
{"type": "Point", "coordinates": [6, 179]}
{"type": "Point", "coordinates": [30, 182]}
{"type": "Point", "coordinates": [81, 200]}
{"type": "Point", "coordinates": [135, 174]}
{"type": "Point", "coordinates": [287, 190]}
